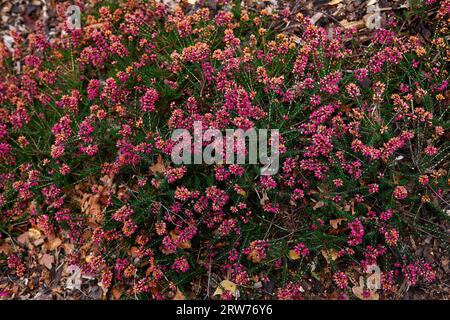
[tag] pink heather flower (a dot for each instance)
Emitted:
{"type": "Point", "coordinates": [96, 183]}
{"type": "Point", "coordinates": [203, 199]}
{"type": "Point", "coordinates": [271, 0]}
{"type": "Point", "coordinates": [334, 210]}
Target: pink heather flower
{"type": "Point", "coordinates": [174, 174]}
{"type": "Point", "coordinates": [340, 279]}
{"type": "Point", "coordinates": [92, 89]}
{"type": "Point", "coordinates": [180, 264]}
{"type": "Point", "coordinates": [196, 53]}
{"type": "Point", "coordinates": [374, 188]}
{"type": "Point", "coordinates": [356, 232]}
{"type": "Point", "coordinates": [148, 100]}
{"type": "Point", "coordinates": [301, 250]}
{"type": "Point", "coordinates": [386, 215]}
{"type": "Point", "coordinates": [292, 291]}
{"type": "Point", "coordinates": [353, 90]}
{"type": "Point", "coordinates": [123, 214]}
{"type": "Point", "coordinates": [330, 83]}
{"type": "Point", "coordinates": [182, 193]}
{"type": "Point", "coordinates": [257, 250]}
{"type": "Point", "coordinates": [361, 74]}
{"type": "Point", "coordinates": [90, 150]}
{"type": "Point", "coordinates": [70, 102]}
{"type": "Point", "coordinates": [400, 192]}
{"type": "Point", "coordinates": [297, 194]}
{"type": "Point", "coordinates": [423, 180]}
{"type": "Point", "coordinates": [129, 228]}
{"type": "Point", "coordinates": [430, 150]}
{"type": "Point", "coordinates": [338, 183]}
{"type": "Point", "coordinates": [222, 174]}
{"type": "Point", "coordinates": [5, 150]}
{"type": "Point", "coordinates": [57, 151]}
{"type": "Point", "coordinates": [237, 170]}
{"type": "Point", "coordinates": [268, 182]}
{"type": "Point", "coordinates": [391, 237]}
{"type": "Point", "coordinates": [64, 169]}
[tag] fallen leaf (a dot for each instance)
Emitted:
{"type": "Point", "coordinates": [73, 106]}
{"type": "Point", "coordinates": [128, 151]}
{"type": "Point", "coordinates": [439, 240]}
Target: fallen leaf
{"type": "Point", "coordinates": [5, 248]}
{"type": "Point", "coordinates": [264, 198]}
{"type": "Point", "coordinates": [330, 255]}
{"type": "Point", "coordinates": [318, 205]}
{"type": "Point", "coordinates": [38, 242]}
{"type": "Point", "coordinates": [117, 293]}
{"type": "Point", "coordinates": [225, 285]}
{"type": "Point", "coordinates": [352, 24]}
{"type": "Point", "coordinates": [372, 20]}
{"type": "Point", "coordinates": [179, 295]}
{"type": "Point", "coordinates": [47, 260]}
{"type": "Point", "coordinates": [159, 166]}
{"type": "Point", "coordinates": [371, 3]}
{"type": "Point", "coordinates": [74, 279]}
{"type": "Point", "coordinates": [68, 248]}
{"type": "Point", "coordinates": [358, 292]}
{"type": "Point", "coordinates": [24, 239]}
{"type": "Point", "coordinates": [336, 222]}
{"type": "Point", "coordinates": [334, 2]}
{"type": "Point", "coordinates": [293, 255]}
{"type": "Point", "coordinates": [34, 233]}
{"type": "Point", "coordinates": [53, 243]}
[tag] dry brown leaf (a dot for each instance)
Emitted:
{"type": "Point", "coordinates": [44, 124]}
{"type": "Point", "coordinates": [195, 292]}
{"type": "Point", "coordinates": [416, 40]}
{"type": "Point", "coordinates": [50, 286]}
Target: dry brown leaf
{"type": "Point", "coordinates": [159, 166]}
{"type": "Point", "coordinates": [68, 248]}
{"type": "Point", "coordinates": [353, 24]}
{"type": "Point", "coordinates": [91, 207]}
{"type": "Point", "coordinates": [5, 248]}
{"type": "Point", "coordinates": [117, 293]}
{"type": "Point", "coordinates": [335, 223]}
{"type": "Point", "coordinates": [319, 205]}
{"type": "Point", "coordinates": [24, 239]}
{"type": "Point", "coordinates": [179, 295]}
{"type": "Point", "coordinates": [264, 198]}
{"type": "Point", "coordinates": [53, 243]}
{"type": "Point", "coordinates": [47, 260]}
{"type": "Point", "coordinates": [226, 285]}
{"type": "Point", "coordinates": [334, 2]}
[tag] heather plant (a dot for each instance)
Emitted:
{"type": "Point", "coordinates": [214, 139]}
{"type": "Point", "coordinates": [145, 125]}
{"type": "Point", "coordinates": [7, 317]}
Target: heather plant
{"type": "Point", "coordinates": [86, 123]}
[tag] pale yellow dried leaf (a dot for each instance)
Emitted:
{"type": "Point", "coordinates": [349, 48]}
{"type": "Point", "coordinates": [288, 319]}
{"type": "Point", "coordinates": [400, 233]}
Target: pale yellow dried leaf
{"type": "Point", "coordinates": [358, 292]}
{"type": "Point", "coordinates": [226, 285]}
{"type": "Point", "coordinates": [34, 233]}
{"type": "Point", "coordinates": [293, 255]}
